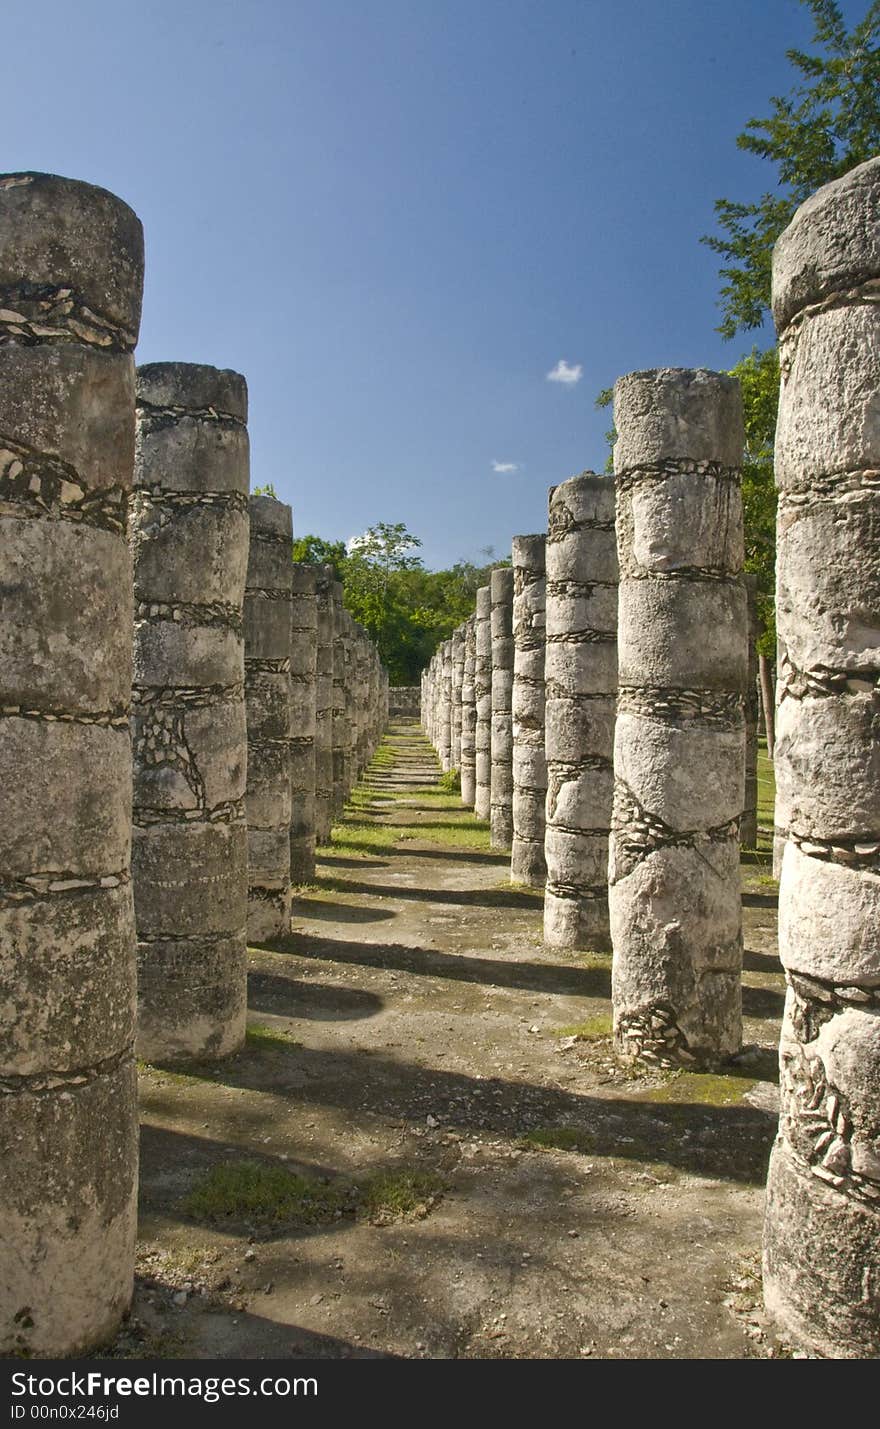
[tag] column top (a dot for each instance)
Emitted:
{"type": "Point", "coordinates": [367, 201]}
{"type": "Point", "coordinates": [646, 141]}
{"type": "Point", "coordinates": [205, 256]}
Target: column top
{"type": "Point", "coordinates": [64, 234]}
{"type": "Point", "coordinates": [831, 245]}
{"type": "Point", "coordinates": [194, 386]}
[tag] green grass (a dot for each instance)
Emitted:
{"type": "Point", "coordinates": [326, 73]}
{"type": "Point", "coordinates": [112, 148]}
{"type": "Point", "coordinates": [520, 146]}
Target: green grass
{"type": "Point", "coordinates": [592, 1030]}
{"type": "Point", "coordinates": [264, 1196]}
{"type": "Point", "coordinates": [450, 782]}
{"type": "Point", "coordinates": [398, 1193]}
{"type": "Point", "coordinates": [269, 1197]}
{"type": "Point", "coordinates": [268, 1037]}
{"type": "Point", "coordinates": [699, 1088]}
{"type": "Point", "coordinates": [435, 796]}
{"type": "Point", "coordinates": [766, 786]}
{"type": "Point", "coordinates": [463, 831]}
{"type": "Point", "coordinates": [359, 840]}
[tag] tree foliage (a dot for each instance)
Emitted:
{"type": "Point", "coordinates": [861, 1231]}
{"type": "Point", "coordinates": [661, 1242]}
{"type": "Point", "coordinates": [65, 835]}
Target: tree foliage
{"type": "Point", "coordinates": [407, 610]}
{"type": "Point", "coordinates": [758, 375]}
{"type": "Point", "coordinates": [828, 123]}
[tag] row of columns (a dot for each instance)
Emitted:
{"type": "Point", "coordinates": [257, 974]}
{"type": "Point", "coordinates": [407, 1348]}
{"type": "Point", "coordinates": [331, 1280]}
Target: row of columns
{"type": "Point", "coordinates": [619, 651]}
{"type": "Point", "coordinates": [168, 741]}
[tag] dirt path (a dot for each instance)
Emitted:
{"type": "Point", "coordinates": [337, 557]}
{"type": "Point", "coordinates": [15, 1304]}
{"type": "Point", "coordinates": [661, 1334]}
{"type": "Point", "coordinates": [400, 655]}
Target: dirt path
{"type": "Point", "coordinates": [428, 1148]}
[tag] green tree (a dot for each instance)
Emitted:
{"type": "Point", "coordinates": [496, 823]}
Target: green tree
{"type": "Point", "coordinates": [758, 375]}
{"type": "Point", "coordinates": [828, 123]}
{"type": "Point", "coordinates": [315, 551]}
{"type": "Point", "coordinates": [374, 591]}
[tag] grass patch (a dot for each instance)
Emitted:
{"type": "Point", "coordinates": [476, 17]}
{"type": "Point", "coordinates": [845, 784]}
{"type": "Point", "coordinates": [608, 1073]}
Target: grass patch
{"type": "Point", "coordinates": [393, 1194]}
{"type": "Point", "coordinates": [435, 797]}
{"type": "Point", "coordinates": [355, 839]}
{"type": "Point", "coordinates": [766, 786]}
{"type": "Point", "coordinates": [700, 1088]}
{"type": "Point", "coordinates": [450, 782]}
{"type": "Point", "coordinates": [592, 1030]}
{"type": "Point", "coordinates": [461, 831]}
{"type": "Point", "coordinates": [262, 1037]}
{"type": "Point", "coordinates": [264, 1196]}
{"type": "Point", "coordinates": [269, 1197]}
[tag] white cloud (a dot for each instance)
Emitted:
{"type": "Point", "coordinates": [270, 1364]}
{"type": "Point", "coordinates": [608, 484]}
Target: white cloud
{"type": "Point", "coordinates": [504, 468]}
{"type": "Point", "coordinates": [354, 543]}
{"type": "Point", "coordinates": [567, 374]}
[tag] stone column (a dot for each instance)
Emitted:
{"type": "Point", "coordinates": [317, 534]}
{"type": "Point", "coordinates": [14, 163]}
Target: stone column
{"type": "Point", "coordinates": [349, 717]}
{"type": "Point", "coordinates": [445, 745]}
{"type": "Point", "coordinates": [267, 692]}
{"type": "Point", "coordinates": [501, 793]}
{"type": "Point", "coordinates": [189, 536]}
{"type": "Point", "coordinates": [581, 686]}
{"type": "Point", "coordinates": [324, 705]}
{"type": "Point", "coordinates": [68, 1115]}
{"type": "Point", "coordinates": [822, 1227]}
{"type": "Point", "coordinates": [303, 720]}
{"type": "Point", "coordinates": [468, 717]}
{"type": "Point", "coordinates": [527, 863]}
{"type": "Point", "coordinates": [362, 701]}
{"type": "Point", "coordinates": [483, 700]}
{"type": "Point", "coordinates": [679, 747]}
{"type": "Point", "coordinates": [338, 713]}
{"type": "Point", "coordinates": [748, 829]}
{"type": "Point", "coordinates": [457, 682]}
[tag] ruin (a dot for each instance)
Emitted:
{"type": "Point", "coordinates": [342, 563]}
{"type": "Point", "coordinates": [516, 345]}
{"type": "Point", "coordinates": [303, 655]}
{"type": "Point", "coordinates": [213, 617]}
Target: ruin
{"type": "Point", "coordinates": [581, 685]}
{"type": "Point", "coordinates": [337, 716]}
{"type": "Point", "coordinates": [679, 744]}
{"type": "Point", "coordinates": [822, 1225]}
{"type": "Point", "coordinates": [267, 697]}
{"type": "Point", "coordinates": [501, 777]}
{"type": "Point", "coordinates": [483, 704]}
{"type": "Point", "coordinates": [71, 278]}
{"type": "Point", "coordinates": [468, 763]}
{"type": "Point", "coordinates": [527, 862]}
{"type": "Point", "coordinates": [303, 720]}
{"type": "Point", "coordinates": [323, 703]}
{"type": "Point", "coordinates": [189, 541]}
{"type": "Point", "coordinates": [748, 829]}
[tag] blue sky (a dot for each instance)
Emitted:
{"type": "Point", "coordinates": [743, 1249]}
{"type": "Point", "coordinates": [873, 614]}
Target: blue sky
{"type": "Point", "coordinates": [397, 217]}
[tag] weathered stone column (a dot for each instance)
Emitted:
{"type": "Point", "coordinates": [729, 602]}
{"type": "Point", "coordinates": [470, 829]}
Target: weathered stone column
{"type": "Point", "coordinates": [445, 745]}
{"type": "Point", "coordinates": [527, 864]}
{"type": "Point", "coordinates": [189, 536]}
{"type": "Point", "coordinates": [362, 699]}
{"type": "Point", "coordinates": [303, 720]}
{"type": "Point", "coordinates": [349, 714]}
{"type": "Point", "coordinates": [748, 829]}
{"type": "Point", "coordinates": [457, 682]}
{"type": "Point", "coordinates": [501, 796]}
{"type": "Point", "coordinates": [679, 746]}
{"type": "Point", "coordinates": [822, 1227]}
{"type": "Point", "coordinates": [468, 717]}
{"type": "Point", "coordinates": [267, 692]}
{"type": "Point", "coordinates": [483, 700]}
{"type": "Point", "coordinates": [324, 705]}
{"type": "Point", "coordinates": [71, 273]}
{"type": "Point", "coordinates": [338, 712]}
{"type": "Point", "coordinates": [581, 686]}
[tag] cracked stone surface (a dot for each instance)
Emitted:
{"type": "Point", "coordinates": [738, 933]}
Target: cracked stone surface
{"type": "Point", "coordinates": [267, 633]}
{"type": "Point", "coordinates": [71, 277]}
{"type": "Point", "coordinates": [189, 540]}
{"type": "Point", "coordinates": [527, 861]}
{"type": "Point", "coordinates": [822, 1229]}
{"type": "Point", "coordinates": [581, 684]}
{"type": "Point", "coordinates": [679, 738]}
